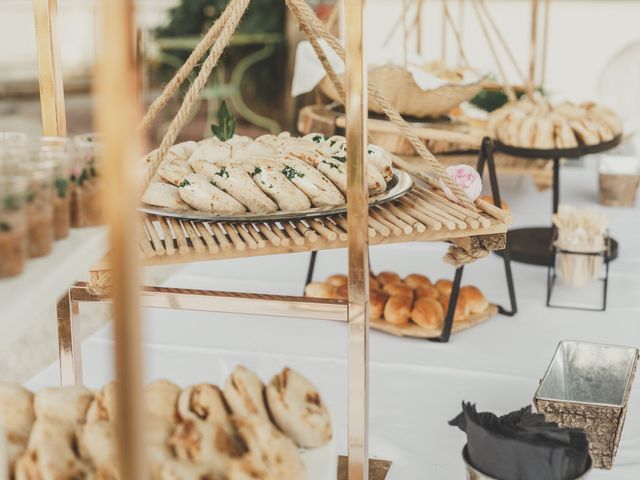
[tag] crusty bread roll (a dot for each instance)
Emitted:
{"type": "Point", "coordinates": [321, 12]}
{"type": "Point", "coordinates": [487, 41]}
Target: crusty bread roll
{"type": "Point", "coordinates": [427, 312]}
{"type": "Point", "coordinates": [444, 286]}
{"type": "Point", "coordinates": [69, 404]}
{"type": "Point", "coordinates": [416, 280]}
{"type": "Point", "coordinates": [204, 402]}
{"type": "Point", "coordinates": [387, 278]}
{"type": "Point", "coordinates": [489, 199]}
{"type": "Point", "coordinates": [474, 298]}
{"type": "Point", "coordinates": [97, 445]}
{"type": "Point", "coordinates": [397, 311]}
{"type": "Point", "coordinates": [271, 448]}
{"type": "Point", "coordinates": [243, 391]}
{"type": "Point", "coordinates": [461, 312]}
{"type": "Point", "coordinates": [399, 289]}
{"type": "Point", "coordinates": [16, 419]}
{"type": "Point", "coordinates": [377, 301]}
{"type": "Point", "coordinates": [103, 406]}
{"type": "Point", "coordinates": [205, 443]}
{"type": "Point", "coordinates": [341, 293]}
{"type": "Point", "coordinates": [320, 290]}
{"type": "Point", "coordinates": [51, 452]}
{"type": "Point", "coordinates": [374, 284]}
{"type": "Point", "coordinates": [160, 399]}
{"type": "Point", "coordinates": [298, 410]}
{"type": "Point", "coordinates": [337, 280]}
{"type": "Point", "coordinates": [427, 292]}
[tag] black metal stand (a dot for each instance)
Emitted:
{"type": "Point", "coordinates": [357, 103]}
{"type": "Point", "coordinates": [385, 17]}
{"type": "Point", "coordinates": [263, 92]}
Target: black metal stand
{"type": "Point", "coordinates": [606, 258]}
{"type": "Point", "coordinates": [533, 245]}
{"type": "Point", "coordinates": [485, 158]}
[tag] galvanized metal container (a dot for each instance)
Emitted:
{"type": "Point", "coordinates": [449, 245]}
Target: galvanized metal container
{"type": "Point", "coordinates": [475, 474]}
{"type": "Point", "coordinates": [587, 386]}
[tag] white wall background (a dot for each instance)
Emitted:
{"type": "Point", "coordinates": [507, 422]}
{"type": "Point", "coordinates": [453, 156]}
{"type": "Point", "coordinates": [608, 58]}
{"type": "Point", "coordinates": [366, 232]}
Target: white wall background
{"type": "Point", "coordinates": [584, 34]}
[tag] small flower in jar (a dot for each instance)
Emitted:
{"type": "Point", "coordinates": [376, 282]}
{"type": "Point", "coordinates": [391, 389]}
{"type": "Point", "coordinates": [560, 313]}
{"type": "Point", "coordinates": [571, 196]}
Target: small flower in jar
{"type": "Point", "coordinates": [466, 178]}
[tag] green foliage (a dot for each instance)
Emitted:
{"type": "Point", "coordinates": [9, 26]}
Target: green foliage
{"type": "Point", "coordinates": [194, 17]}
{"type": "Point", "coordinates": [62, 187]}
{"type": "Point", "coordinates": [226, 124]}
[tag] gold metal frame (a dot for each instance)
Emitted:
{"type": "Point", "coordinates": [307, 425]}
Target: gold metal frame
{"type": "Point", "coordinates": [117, 111]}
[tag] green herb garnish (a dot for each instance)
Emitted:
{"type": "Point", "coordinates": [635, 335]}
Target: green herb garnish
{"type": "Point", "coordinates": [11, 202]}
{"type": "Point", "coordinates": [223, 173]}
{"type": "Point", "coordinates": [62, 186]}
{"type": "Point", "coordinates": [319, 138]}
{"type": "Point", "coordinates": [256, 171]}
{"type": "Point", "coordinates": [339, 158]}
{"type": "Point", "coordinates": [226, 127]}
{"type": "Point", "coordinates": [291, 172]}
{"type": "Point", "coordinates": [184, 183]}
{"type": "Point", "coordinates": [333, 165]}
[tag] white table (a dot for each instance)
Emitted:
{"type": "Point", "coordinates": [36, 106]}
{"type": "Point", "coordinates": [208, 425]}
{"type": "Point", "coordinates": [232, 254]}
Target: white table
{"type": "Point", "coordinates": [416, 386]}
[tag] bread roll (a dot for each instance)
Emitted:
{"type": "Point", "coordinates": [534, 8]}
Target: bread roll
{"type": "Point", "coordinates": [320, 290]}
{"type": "Point", "coordinates": [298, 410]}
{"type": "Point", "coordinates": [416, 280]}
{"type": "Point", "coordinates": [399, 289]}
{"type": "Point", "coordinates": [103, 406]}
{"type": "Point", "coordinates": [377, 301]}
{"type": "Point", "coordinates": [474, 299]}
{"type": "Point", "coordinates": [271, 448]}
{"type": "Point", "coordinates": [243, 391]}
{"type": "Point", "coordinates": [337, 280]}
{"type": "Point", "coordinates": [16, 419]}
{"type": "Point", "coordinates": [341, 293]}
{"type": "Point", "coordinates": [204, 402]}
{"type": "Point", "coordinates": [397, 311]}
{"type": "Point", "coordinates": [387, 278]}
{"type": "Point", "coordinates": [489, 199]}
{"type": "Point", "coordinates": [461, 311]}
{"type": "Point", "coordinates": [374, 284]}
{"type": "Point", "coordinates": [160, 399]}
{"type": "Point", "coordinates": [69, 404]}
{"type": "Point", "coordinates": [427, 292]}
{"type": "Point", "coordinates": [444, 286]}
{"type": "Point", "coordinates": [427, 312]}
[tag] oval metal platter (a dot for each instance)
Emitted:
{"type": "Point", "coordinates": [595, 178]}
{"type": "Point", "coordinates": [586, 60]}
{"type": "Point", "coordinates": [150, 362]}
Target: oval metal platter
{"type": "Point", "coordinates": [400, 184]}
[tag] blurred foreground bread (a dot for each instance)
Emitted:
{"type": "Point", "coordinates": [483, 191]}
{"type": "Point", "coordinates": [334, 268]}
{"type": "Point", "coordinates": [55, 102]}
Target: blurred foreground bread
{"type": "Point", "coordinates": [416, 280]}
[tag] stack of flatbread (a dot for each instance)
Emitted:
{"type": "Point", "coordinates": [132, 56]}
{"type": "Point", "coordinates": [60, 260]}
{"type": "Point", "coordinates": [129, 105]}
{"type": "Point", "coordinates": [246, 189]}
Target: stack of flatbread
{"type": "Point", "coordinates": [540, 125]}
{"type": "Point", "coordinates": [264, 175]}
{"type": "Point", "coordinates": [245, 430]}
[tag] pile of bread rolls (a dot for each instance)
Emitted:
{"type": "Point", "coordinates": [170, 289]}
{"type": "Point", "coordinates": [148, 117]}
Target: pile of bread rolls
{"type": "Point", "coordinates": [539, 124]}
{"type": "Point", "coordinates": [412, 299]}
{"type": "Point", "coordinates": [244, 431]}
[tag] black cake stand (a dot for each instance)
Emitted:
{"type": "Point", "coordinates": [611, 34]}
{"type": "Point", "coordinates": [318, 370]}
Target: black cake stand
{"type": "Point", "coordinates": [532, 245]}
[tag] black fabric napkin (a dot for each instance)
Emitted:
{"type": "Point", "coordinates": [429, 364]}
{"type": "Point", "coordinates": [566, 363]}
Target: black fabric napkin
{"type": "Point", "coordinates": [522, 445]}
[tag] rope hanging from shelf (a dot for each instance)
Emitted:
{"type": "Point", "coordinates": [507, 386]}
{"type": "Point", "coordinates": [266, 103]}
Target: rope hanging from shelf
{"type": "Point", "coordinates": [219, 36]}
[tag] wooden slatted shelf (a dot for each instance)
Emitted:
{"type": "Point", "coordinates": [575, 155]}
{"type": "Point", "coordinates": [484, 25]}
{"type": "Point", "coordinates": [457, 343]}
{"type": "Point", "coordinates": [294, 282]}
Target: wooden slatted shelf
{"type": "Point", "coordinates": [420, 215]}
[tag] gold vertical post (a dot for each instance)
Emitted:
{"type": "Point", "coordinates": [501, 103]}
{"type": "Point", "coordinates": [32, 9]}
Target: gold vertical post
{"type": "Point", "coordinates": [418, 26]}
{"type": "Point", "coordinates": [358, 243]}
{"type": "Point", "coordinates": [443, 40]}
{"type": "Point", "coordinates": [545, 43]}
{"type": "Point", "coordinates": [534, 46]}
{"type": "Point", "coordinates": [54, 121]}
{"type": "Point", "coordinates": [118, 115]}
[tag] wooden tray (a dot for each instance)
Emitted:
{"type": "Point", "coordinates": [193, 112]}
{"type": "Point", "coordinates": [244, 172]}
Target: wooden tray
{"type": "Point", "coordinates": [416, 331]}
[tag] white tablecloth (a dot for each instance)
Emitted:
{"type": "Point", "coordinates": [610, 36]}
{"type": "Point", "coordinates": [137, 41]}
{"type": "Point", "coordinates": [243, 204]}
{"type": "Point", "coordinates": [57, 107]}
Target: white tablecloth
{"type": "Point", "coordinates": [416, 386]}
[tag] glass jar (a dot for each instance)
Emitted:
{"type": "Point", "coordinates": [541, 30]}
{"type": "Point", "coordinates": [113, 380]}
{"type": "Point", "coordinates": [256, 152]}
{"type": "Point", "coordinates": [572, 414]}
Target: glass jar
{"type": "Point", "coordinates": [87, 202]}
{"type": "Point", "coordinates": [62, 194]}
{"type": "Point", "coordinates": [59, 150]}
{"type": "Point", "coordinates": [13, 225]}
{"type": "Point", "coordinates": [39, 200]}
